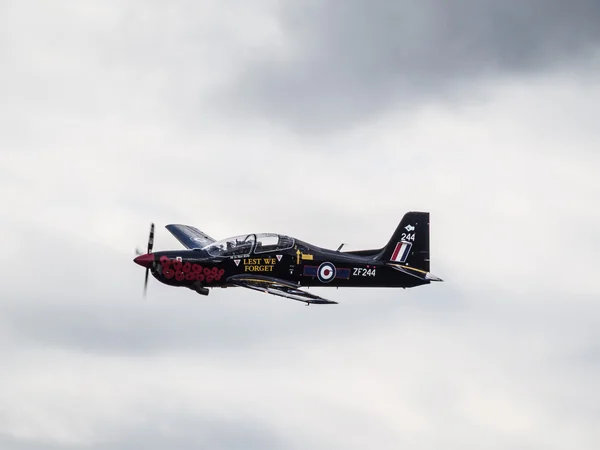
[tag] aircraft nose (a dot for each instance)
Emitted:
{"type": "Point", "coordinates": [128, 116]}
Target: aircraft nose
{"type": "Point", "coordinates": [145, 260]}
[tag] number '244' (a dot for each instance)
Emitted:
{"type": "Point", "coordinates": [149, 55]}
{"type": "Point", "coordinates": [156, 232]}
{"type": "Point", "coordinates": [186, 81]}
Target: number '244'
{"type": "Point", "coordinates": [408, 237]}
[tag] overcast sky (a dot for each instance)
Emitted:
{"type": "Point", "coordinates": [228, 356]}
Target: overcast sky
{"type": "Point", "coordinates": [326, 121]}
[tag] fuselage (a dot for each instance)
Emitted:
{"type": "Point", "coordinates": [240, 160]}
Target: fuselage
{"type": "Point", "coordinates": [302, 264]}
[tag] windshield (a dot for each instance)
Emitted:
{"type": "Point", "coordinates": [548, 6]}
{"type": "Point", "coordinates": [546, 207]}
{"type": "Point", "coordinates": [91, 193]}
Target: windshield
{"type": "Point", "coordinates": [238, 245]}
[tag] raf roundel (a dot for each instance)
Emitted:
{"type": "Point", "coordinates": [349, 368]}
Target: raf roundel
{"type": "Point", "coordinates": [326, 272]}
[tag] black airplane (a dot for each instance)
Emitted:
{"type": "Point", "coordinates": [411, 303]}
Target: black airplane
{"type": "Point", "coordinates": [281, 265]}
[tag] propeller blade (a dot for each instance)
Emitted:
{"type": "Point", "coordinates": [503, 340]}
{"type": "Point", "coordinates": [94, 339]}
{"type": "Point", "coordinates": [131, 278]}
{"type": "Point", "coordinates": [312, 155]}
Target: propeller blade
{"type": "Point", "coordinates": [151, 238]}
{"type": "Point", "coordinates": [146, 282]}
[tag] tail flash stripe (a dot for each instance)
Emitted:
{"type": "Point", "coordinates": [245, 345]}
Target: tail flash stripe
{"type": "Point", "coordinates": [401, 252]}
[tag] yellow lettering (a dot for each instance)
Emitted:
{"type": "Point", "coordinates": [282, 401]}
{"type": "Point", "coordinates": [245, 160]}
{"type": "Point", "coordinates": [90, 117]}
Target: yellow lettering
{"type": "Point", "coordinates": [256, 268]}
{"type": "Point", "coordinates": [252, 261]}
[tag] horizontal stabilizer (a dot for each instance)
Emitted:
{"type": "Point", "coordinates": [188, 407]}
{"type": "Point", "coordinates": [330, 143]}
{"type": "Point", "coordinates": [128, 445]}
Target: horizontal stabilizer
{"type": "Point", "coordinates": [420, 274]}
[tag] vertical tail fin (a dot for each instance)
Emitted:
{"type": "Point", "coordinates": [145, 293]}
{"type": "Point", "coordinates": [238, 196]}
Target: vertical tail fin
{"type": "Point", "coordinates": [409, 244]}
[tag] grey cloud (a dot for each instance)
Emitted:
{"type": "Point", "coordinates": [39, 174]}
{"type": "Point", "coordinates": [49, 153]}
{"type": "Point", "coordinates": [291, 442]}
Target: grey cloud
{"type": "Point", "coordinates": [168, 429]}
{"type": "Point", "coordinates": [451, 369]}
{"type": "Point", "coordinates": [226, 322]}
{"type": "Point", "coordinates": [459, 363]}
{"type": "Point", "coordinates": [342, 61]}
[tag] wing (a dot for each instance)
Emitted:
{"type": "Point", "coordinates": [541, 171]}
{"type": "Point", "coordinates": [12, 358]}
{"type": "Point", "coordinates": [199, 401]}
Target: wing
{"type": "Point", "coordinates": [189, 236]}
{"type": "Point", "coordinates": [277, 287]}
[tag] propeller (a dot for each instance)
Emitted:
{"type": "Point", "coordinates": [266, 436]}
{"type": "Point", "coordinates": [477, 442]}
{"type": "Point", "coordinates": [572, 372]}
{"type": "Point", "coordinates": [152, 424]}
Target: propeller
{"type": "Point", "coordinates": [146, 259]}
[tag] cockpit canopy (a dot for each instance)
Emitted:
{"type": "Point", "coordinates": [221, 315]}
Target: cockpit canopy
{"type": "Point", "coordinates": [245, 244]}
